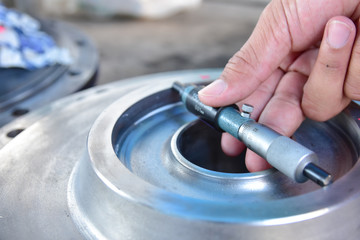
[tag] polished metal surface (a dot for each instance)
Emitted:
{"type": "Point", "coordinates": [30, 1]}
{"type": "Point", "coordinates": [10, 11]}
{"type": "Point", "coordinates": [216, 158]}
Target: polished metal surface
{"type": "Point", "coordinates": [149, 171]}
{"type": "Point", "coordinates": [35, 166]}
{"type": "Point", "coordinates": [246, 110]}
{"type": "Point", "coordinates": [286, 155]}
{"type": "Point", "coordinates": [135, 163]}
{"type": "Point", "coordinates": [22, 90]}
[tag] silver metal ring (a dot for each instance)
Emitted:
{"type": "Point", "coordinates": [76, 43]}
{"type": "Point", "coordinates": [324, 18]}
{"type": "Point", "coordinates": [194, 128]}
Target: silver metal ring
{"type": "Point", "coordinates": [129, 182]}
{"type": "Point", "coordinates": [133, 163]}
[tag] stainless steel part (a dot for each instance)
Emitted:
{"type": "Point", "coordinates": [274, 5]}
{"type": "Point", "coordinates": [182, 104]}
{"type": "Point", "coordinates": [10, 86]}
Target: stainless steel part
{"type": "Point", "coordinates": [246, 110]}
{"type": "Point", "coordinates": [283, 153]}
{"type": "Point", "coordinates": [22, 91]}
{"type": "Point", "coordinates": [286, 155]}
{"type": "Point", "coordinates": [143, 174]}
{"type": "Point", "coordinates": [317, 175]}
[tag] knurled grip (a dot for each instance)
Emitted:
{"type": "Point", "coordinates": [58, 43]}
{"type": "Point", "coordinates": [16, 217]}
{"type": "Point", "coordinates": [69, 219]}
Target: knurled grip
{"type": "Point", "coordinates": [281, 152]}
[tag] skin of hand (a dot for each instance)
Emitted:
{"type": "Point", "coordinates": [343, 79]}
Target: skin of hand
{"type": "Point", "coordinates": [302, 60]}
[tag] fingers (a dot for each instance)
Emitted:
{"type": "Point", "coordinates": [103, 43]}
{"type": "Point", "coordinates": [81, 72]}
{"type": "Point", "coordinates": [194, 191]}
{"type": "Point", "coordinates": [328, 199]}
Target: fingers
{"type": "Point", "coordinates": [305, 63]}
{"type": "Point", "coordinates": [254, 63]}
{"type": "Point", "coordinates": [352, 84]}
{"type": "Point", "coordinates": [230, 145]}
{"type": "Point", "coordinates": [324, 91]}
{"type": "Point", "coordinates": [283, 113]}
{"type": "Point", "coordinates": [283, 28]}
{"type": "Point", "coordinates": [261, 96]}
{"type": "Point", "coordinates": [255, 163]}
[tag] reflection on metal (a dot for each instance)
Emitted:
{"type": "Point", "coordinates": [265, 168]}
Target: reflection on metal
{"type": "Point", "coordinates": [137, 179]}
{"type": "Point", "coordinates": [289, 157]}
{"type": "Point", "coordinates": [23, 90]}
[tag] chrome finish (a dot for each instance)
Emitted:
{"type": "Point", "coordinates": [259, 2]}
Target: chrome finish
{"type": "Point", "coordinates": [317, 175]}
{"type": "Point", "coordinates": [246, 110]}
{"type": "Point", "coordinates": [135, 162]}
{"type": "Point", "coordinates": [283, 153]}
{"type": "Point", "coordinates": [139, 178]}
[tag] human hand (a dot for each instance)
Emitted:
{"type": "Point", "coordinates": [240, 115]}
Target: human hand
{"type": "Point", "coordinates": [302, 60]}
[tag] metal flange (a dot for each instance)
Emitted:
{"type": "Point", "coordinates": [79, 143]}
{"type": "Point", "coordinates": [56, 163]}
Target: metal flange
{"type": "Point", "coordinates": [149, 172]}
{"type": "Point", "coordinates": [23, 91]}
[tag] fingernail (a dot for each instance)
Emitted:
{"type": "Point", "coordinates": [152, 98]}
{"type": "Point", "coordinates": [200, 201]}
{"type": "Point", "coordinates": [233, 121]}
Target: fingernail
{"type": "Point", "coordinates": [338, 34]}
{"type": "Point", "coordinates": [214, 89]}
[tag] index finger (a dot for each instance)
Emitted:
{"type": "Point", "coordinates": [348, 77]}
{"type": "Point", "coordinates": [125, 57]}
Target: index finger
{"type": "Point", "coordinates": [283, 28]}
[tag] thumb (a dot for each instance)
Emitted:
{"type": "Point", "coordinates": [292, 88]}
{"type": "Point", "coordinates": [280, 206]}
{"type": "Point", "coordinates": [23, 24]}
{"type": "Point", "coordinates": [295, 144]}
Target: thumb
{"type": "Point", "coordinates": [254, 62]}
{"type": "Point", "coordinates": [284, 27]}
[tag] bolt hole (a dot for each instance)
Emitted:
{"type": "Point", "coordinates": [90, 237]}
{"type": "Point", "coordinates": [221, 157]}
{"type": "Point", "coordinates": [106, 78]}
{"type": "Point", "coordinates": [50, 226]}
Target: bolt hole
{"type": "Point", "coordinates": [102, 90]}
{"type": "Point", "coordinates": [14, 132]}
{"type": "Point", "coordinates": [74, 72]}
{"type": "Point", "coordinates": [19, 112]}
{"type": "Point", "coordinates": [80, 42]}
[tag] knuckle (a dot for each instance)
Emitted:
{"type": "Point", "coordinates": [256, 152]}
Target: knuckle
{"type": "Point", "coordinates": [241, 64]}
{"type": "Point", "coordinates": [320, 111]}
{"type": "Point", "coordinates": [332, 65]}
{"type": "Point", "coordinates": [313, 110]}
{"type": "Point", "coordinates": [236, 61]}
{"type": "Point", "coordinates": [246, 56]}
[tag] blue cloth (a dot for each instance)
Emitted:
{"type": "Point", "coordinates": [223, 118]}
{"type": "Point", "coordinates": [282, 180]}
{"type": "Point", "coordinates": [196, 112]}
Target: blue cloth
{"type": "Point", "coordinates": [23, 45]}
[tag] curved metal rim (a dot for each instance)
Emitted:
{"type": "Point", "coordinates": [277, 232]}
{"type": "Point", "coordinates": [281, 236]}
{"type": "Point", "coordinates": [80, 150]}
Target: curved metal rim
{"type": "Point", "coordinates": [29, 89]}
{"type": "Point", "coordinates": [24, 92]}
{"type": "Point", "coordinates": [102, 155]}
{"type": "Point", "coordinates": [210, 173]}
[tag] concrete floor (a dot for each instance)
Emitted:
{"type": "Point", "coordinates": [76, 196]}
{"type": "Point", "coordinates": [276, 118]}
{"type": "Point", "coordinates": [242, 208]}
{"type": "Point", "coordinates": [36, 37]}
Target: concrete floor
{"type": "Point", "coordinates": [205, 37]}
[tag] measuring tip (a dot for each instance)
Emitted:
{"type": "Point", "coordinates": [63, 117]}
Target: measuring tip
{"type": "Point", "coordinates": [317, 175]}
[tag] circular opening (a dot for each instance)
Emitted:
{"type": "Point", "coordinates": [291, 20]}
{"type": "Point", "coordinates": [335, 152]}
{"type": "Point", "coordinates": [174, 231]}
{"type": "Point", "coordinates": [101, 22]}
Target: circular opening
{"type": "Point", "coordinates": [200, 144]}
{"type": "Point", "coordinates": [14, 132]}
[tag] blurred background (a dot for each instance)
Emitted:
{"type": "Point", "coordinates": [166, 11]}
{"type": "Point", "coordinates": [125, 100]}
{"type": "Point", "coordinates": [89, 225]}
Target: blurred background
{"type": "Point", "coordinates": [83, 43]}
{"type": "Point", "coordinates": [135, 37]}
